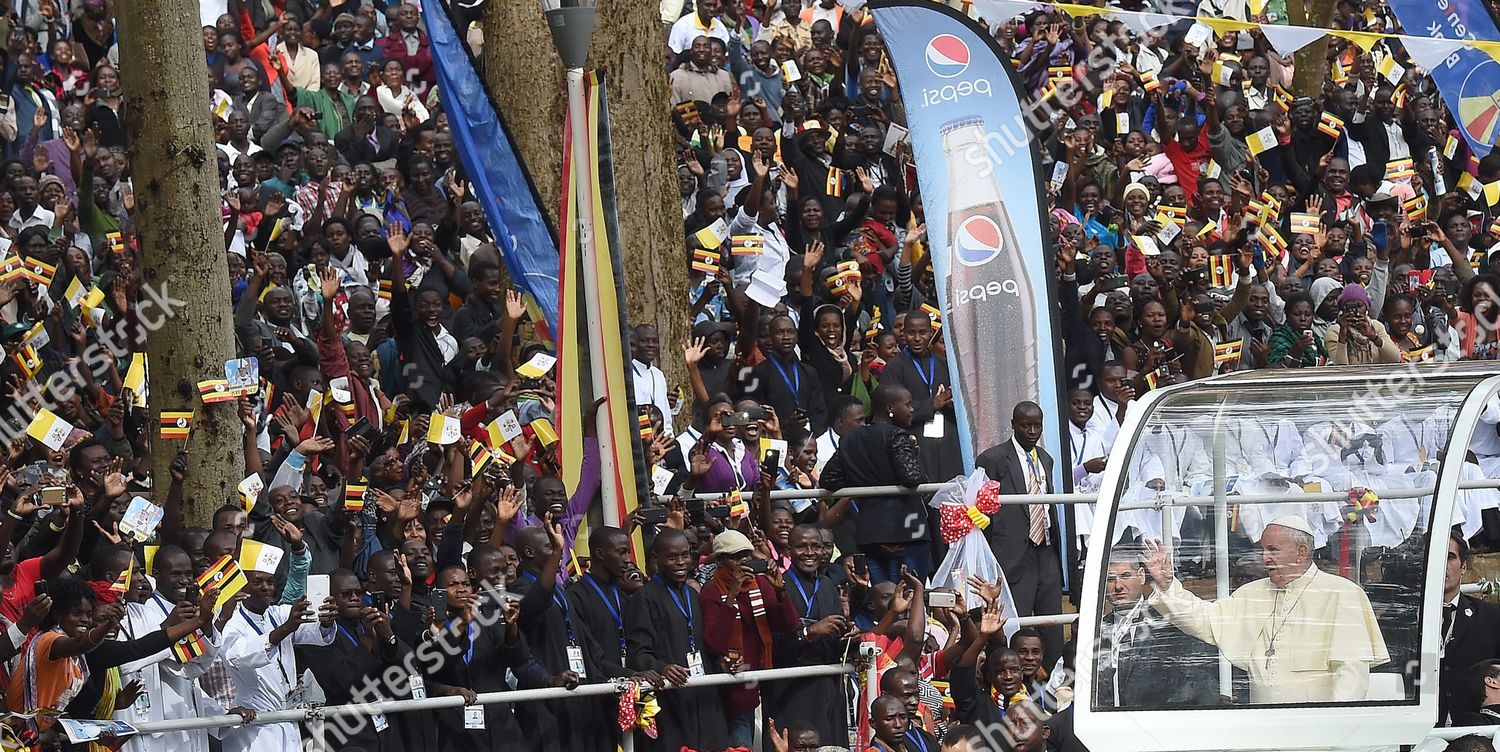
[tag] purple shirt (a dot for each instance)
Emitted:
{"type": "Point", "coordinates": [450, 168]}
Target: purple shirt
{"type": "Point", "coordinates": [578, 503]}
{"type": "Point", "coordinates": [721, 477]}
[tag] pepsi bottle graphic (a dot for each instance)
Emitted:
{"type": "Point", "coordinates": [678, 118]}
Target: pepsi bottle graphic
{"type": "Point", "coordinates": [992, 309]}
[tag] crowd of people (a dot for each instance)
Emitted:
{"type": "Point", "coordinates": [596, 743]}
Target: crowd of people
{"type": "Point", "coordinates": [404, 530]}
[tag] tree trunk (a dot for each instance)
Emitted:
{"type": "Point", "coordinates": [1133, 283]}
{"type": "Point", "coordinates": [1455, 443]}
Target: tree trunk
{"type": "Point", "coordinates": [1312, 60]}
{"type": "Point", "coordinates": [175, 174]}
{"type": "Point", "coordinates": [523, 71]}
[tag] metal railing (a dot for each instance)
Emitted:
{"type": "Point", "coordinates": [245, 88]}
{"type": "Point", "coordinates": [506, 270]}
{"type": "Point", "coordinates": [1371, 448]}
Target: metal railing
{"type": "Point", "coordinates": [927, 489]}
{"type": "Point", "coordinates": [316, 717]}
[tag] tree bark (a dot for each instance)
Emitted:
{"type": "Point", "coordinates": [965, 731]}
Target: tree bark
{"type": "Point", "coordinates": [523, 71]}
{"type": "Point", "coordinates": [1312, 60]}
{"type": "Point", "coordinates": [175, 174]}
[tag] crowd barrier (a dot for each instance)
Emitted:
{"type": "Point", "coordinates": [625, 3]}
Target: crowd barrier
{"type": "Point", "coordinates": [315, 717]}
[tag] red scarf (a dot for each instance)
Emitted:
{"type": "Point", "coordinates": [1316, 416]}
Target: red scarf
{"type": "Point", "coordinates": [723, 580]}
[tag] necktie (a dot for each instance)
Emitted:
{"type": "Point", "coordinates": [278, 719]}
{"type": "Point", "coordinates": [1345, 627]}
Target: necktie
{"type": "Point", "coordinates": [1037, 512]}
{"type": "Point", "coordinates": [1450, 612]}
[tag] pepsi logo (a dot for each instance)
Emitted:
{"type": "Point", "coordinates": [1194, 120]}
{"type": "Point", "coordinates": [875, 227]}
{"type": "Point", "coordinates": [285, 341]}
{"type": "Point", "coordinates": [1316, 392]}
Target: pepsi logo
{"type": "Point", "coordinates": [947, 56]}
{"type": "Point", "coordinates": [977, 241]}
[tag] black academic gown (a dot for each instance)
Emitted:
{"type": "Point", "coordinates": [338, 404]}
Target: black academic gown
{"type": "Point", "coordinates": [818, 701]}
{"type": "Point", "coordinates": [344, 668]}
{"type": "Point", "coordinates": [599, 609]}
{"type": "Point", "coordinates": [479, 664]}
{"type": "Point", "coordinates": [658, 635]}
{"type": "Point", "coordinates": [941, 458]}
{"type": "Point", "coordinates": [550, 624]}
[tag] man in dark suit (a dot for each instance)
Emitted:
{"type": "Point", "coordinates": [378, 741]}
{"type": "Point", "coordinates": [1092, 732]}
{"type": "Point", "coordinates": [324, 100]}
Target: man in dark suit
{"type": "Point", "coordinates": [1482, 689]}
{"type": "Point", "coordinates": [1024, 538]}
{"type": "Point", "coordinates": [1144, 661]}
{"type": "Point", "coordinates": [355, 142]}
{"type": "Point", "coordinates": [1470, 634]}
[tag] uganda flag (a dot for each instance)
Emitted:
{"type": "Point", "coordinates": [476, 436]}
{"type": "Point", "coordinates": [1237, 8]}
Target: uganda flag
{"type": "Point", "coordinates": [214, 391]}
{"type": "Point", "coordinates": [223, 577]}
{"type": "Point", "coordinates": [1227, 355]}
{"type": "Point", "coordinates": [354, 496]}
{"type": "Point", "coordinates": [190, 647]}
{"type": "Point", "coordinates": [175, 425]}
{"type": "Point", "coordinates": [1420, 355]}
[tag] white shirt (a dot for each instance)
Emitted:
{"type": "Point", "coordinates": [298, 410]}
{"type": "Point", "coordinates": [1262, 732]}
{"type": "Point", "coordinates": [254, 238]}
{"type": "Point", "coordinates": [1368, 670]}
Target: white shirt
{"type": "Point", "coordinates": [651, 389]}
{"type": "Point", "coordinates": [686, 29]}
{"type": "Point", "coordinates": [828, 443]}
{"type": "Point", "coordinates": [303, 67]}
{"type": "Point", "coordinates": [356, 265]}
{"type": "Point", "coordinates": [394, 102]}
{"type": "Point", "coordinates": [39, 218]}
{"type": "Point", "coordinates": [1105, 421]}
{"type": "Point", "coordinates": [1086, 444]}
{"type": "Point", "coordinates": [171, 688]}
{"type": "Point", "coordinates": [265, 675]}
{"type": "Point", "coordinates": [1039, 480]}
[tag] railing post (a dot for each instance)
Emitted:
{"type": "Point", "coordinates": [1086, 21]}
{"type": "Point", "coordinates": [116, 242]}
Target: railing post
{"type": "Point", "coordinates": [316, 730]}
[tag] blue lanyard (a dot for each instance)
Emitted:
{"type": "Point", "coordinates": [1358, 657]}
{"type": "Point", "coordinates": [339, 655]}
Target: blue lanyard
{"type": "Point", "coordinates": [685, 605]}
{"type": "Point", "coordinates": [1079, 447]}
{"type": "Point", "coordinates": [350, 635]}
{"type": "Point", "coordinates": [561, 602]}
{"type": "Point", "coordinates": [161, 603]}
{"type": "Point", "coordinates": [255, 626]}
{"type": "Point", "coordinates": [802, 592]}
{"type": "Point", "coordinates": [794, 381]}
{"type": "Point", "coordinates": [915, 737]}
{"type": "Point", "coordinates": [612, 605]}
{"type": "Point", "coordinates": [930, 376]}
{"type": "Point", "coordinates": [469, 654]}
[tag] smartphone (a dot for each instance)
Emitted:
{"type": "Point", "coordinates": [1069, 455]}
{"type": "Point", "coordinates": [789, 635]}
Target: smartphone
{"type": "Point", "coordinates": [191, 593]}
{"type": "Point", "coordinates": [380, 602]}
{"type": "Point", "coordinates": [656, 516]}
{"type": "Point", "coordinates": [736, 419]}
{"type": "Point", "coordinates": [361, 427]}
{"type": "Point", "coordinates": [861, 566]}
{"type": "Point", "coordinates": [772, 460]}
{"type": "Point", "coordinates": [54, 496]}
{"type": "Point", "coordinates": [939, 599]}
{"type": "Point", "coordinates": [758, 566]}
{"type": "Point", "coordinates": [41, 588]}
{"type": "Point", "coordinates": [317, 589]}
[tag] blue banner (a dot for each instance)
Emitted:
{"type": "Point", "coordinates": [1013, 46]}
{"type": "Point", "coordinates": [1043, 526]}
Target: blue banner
{"type": "Point", "coordinates": [526, 240]}
{"type": "Point", "coordinates": [1468, 79]}
{"type": "Point", "coordinates": [983, 191]}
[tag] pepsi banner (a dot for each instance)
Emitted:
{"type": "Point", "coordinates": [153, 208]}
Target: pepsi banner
{"type": "Point", "coordinates": [982, 188]}
{"type": "Point", "coordinates": [1468, 79]}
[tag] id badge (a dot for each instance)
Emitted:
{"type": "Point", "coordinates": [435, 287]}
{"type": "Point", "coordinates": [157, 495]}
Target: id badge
{"type": "Point", "coordinates": [474, 717]}
{"type": "Point", "coordinates": [695, 663]}
{"type": "Point", "coordinates": [143, 703]}
{"type": "Point", "coordinates": [418, 687]}
{"type": "Point", "coordinates": [575, 661]}
{"type": "Point", "coordinates": [381, 724]}
{"type": "Point", "coordinates": [934, 428]}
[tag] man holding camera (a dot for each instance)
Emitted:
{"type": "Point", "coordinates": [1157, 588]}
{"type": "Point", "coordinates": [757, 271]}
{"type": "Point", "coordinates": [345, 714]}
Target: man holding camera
{"type": "Point", "coordinates": [744, 605]}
